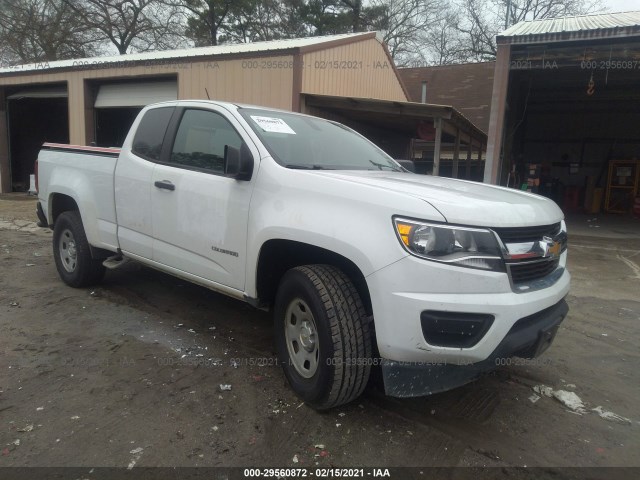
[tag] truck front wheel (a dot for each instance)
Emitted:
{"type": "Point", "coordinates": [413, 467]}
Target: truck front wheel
{"type": "Point", "coordinates": [322, 335]}
{"type": "Point", "coordinates": [72, 254]}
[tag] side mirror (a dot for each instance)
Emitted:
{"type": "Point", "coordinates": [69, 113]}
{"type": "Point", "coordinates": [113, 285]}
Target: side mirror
{"type": "Point", "coordinates": [407, 165]}
{"type": "Point", "coordinates": [238, 162]}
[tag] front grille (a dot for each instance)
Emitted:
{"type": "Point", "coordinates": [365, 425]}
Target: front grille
{"type": "Point", "coordinates": [527, 271]}
{"type": "Point", "coordinates": [527, 234]}
{"type": "Point", "coordinates": [530, 271]}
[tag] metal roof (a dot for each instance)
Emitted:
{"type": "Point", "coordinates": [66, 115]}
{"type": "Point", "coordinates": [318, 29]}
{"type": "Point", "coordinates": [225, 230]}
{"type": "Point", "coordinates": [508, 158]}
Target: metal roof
{"type": "Point", "coordinates": [467, 87]}
{"type": "Point", "coordinates": [579, 27]}
{"type": "Point", "coordinates": [166, 56]}
{"type": "Point", "coordinates": [392, 112]}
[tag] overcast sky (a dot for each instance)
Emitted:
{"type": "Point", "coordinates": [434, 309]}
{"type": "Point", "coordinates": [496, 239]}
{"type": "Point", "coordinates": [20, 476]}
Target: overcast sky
{"type": "Point", "coordinates": [621, 5]}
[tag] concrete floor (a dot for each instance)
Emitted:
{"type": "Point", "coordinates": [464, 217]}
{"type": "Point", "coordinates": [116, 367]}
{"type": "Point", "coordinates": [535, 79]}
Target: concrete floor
{"type": "Point", "coordinates": [604, 226]}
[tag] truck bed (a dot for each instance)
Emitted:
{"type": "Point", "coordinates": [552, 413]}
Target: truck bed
{"type": "Point", "coordinates": [86, 175]}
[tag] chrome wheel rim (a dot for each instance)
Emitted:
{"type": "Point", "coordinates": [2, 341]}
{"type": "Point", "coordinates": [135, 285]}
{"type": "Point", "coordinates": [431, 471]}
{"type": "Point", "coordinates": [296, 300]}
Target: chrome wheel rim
{"type": "Point", "coordinates": [302, 338]}
{"type": "Point", "coordinates": [68, 251]}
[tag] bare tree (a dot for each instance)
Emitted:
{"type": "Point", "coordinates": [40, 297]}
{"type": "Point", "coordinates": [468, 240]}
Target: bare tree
{"type": "Point", "coordinates": [403, 24]}
{"type": "Point", "coordinates": [426, 32]}
{"type": "Point", "coordinates": [42, 30]}
{"type": "Point", "coordinates": [138, 25]}
{"type": "Point", "coordinates": [482, 20]}
{"type": "Point", "coordinates": [442, 43]}
{"type": "Point", "coordinates": [521, 10]}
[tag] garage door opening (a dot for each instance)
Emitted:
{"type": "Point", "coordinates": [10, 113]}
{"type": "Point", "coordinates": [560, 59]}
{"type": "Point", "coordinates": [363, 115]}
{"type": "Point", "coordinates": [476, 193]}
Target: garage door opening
{"type": "Point", "coordinates": [118, 104]}
{"type": "Point", "coordinates": [571, 128]}
{"type": "Point", "coordinates": [35, 117]}
{"type": "Point", "coordinates": [112, 125]}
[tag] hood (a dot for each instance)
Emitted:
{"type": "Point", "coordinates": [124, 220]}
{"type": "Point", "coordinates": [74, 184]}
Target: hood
{"type": "Point", "coordinates": [460, 201]}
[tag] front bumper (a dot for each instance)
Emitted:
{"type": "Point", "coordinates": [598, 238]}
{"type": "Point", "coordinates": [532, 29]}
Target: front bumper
{"type": "Point", "coordinates": [528, 338]}
{"type": "Point", "coordinates": [402, 291]}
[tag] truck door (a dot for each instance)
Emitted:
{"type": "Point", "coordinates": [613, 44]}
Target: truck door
{"type": "Point", "coordinates": [132, 182]}
{"type": "Point", "coordinates": [200, 215]}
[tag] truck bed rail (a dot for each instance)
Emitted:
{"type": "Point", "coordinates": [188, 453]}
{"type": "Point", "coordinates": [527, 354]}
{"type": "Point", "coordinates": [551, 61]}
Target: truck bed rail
{"type": "Point", "coordinates": [63, 147]}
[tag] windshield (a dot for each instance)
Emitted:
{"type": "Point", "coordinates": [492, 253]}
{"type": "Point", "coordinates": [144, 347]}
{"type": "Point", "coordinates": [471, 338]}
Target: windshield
{"type": "Point", "coordinates": [297, 141]}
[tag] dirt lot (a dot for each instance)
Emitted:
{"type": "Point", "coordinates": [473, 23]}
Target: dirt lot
{"type": "Point", "coordinates": [129, 374]}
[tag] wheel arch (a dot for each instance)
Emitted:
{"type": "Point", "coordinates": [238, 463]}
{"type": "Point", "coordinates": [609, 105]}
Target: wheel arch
{"type": "Point", "coordinates": [277, 256]}
{"type": "Point", "coordinates": [60, 203]}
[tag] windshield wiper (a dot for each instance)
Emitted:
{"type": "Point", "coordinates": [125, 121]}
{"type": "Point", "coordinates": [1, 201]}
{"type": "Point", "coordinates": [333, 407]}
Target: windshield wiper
{"type": "Point", "coordinates": [306, 167]}
{"type": "Point", "coordinates": [382, 165]}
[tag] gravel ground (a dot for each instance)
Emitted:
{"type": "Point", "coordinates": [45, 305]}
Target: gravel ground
{"type": "Point", "coordinates": [129, 374]}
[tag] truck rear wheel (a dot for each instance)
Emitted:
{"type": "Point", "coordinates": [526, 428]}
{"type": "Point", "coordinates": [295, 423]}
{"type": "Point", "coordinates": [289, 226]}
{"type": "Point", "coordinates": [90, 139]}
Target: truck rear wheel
{"type": "Point", "coordinates": [322, 335]}
{"type": "Point", "coordinates": [72, 254]}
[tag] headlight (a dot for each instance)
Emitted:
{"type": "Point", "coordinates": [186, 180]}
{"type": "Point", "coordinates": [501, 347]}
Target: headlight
{"type": "Point", "coordinates": [463, 246]}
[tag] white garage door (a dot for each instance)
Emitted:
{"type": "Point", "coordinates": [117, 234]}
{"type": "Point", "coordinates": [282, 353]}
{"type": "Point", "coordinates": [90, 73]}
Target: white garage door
{"type": "Point", "coordinates": [51, 92]}
{"type": "Point", "coordinates": [135, 94]}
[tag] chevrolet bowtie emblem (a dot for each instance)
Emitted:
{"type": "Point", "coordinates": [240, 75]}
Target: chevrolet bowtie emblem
{"type": "Point", "coordinates": [551, 247]}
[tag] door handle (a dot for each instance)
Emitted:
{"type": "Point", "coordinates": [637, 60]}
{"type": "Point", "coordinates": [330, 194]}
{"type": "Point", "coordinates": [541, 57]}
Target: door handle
{"type": "Point", "coordinates": [165, 184]}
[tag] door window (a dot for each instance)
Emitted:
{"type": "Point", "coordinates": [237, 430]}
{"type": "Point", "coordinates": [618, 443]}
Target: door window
{"type": "Point", "coordinates": [201, 139]}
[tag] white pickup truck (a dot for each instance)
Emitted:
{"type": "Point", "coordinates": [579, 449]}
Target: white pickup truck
{"type": "Point", "coordinates": [363, 263]}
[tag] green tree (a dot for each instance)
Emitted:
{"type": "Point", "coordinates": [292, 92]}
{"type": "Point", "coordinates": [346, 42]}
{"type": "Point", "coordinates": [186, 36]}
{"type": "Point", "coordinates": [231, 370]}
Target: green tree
{"type": "Point", "coordinates": [206, 20]}
{"type": "Point", "coordinates": [324, 17]}
{"type": "Point", "coordinates": [258, 20]}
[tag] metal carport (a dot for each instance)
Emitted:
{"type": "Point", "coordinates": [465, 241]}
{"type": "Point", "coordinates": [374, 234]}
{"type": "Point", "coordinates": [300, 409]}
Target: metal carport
{"type": "Point", "coordinates": [566, 108]}
{"type": "Point", "coordinates": [396, 127]}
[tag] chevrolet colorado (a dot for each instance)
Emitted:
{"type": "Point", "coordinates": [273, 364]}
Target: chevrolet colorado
{"type": "Point", "coordinates": [364, 264]}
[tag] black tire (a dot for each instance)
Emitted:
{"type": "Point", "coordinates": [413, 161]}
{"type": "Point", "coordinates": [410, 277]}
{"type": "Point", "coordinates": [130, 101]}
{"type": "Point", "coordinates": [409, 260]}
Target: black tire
{"type": "Point", "coordinates": [71, 252]}
{"type": "Point", "coordinates": [343, 338]}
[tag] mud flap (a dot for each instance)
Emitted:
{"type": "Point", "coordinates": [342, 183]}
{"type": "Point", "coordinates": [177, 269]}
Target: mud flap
{"type": "Point", "coordinates": [545, 339]}
{"type": "Point", "coordinates": [404, 379]}
{"type": "Point", "coordinates": [528, 338]}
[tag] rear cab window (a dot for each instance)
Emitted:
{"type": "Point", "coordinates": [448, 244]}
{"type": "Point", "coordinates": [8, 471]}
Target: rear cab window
{"type": "Point", "coordinates": [147, 142]}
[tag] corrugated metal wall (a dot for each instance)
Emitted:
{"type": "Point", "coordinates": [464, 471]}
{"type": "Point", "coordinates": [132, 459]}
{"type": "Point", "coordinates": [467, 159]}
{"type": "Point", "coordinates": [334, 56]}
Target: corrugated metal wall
{"type": "Point", "coordinates": [359, 69]}
{"type": "Point", "coordinates": [266, 81]}
{"type": "Point", "coordinates": [248, 81]}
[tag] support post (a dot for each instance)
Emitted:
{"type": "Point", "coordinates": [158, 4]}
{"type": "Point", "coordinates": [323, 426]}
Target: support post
{"type": "Point", "coordinates": [456, 155]}
{"type": "Point", "coordinates": [496, 119]}
{"type": "Point", "coordinates": [468, 169]}
{"type": "Point", "coordinates": [437, 123]}
{"type": "Point", "coordinates": [5, 166]}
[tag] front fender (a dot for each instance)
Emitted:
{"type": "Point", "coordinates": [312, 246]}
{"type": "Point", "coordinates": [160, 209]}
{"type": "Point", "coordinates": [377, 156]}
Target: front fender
{"type": "Point", "coordinates": [354, 221]}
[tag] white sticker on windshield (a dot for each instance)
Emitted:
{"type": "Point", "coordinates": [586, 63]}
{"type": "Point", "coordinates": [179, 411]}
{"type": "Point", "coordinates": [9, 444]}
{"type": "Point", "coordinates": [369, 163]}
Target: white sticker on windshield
{"type": "Point", "coordinates": [272, 124]}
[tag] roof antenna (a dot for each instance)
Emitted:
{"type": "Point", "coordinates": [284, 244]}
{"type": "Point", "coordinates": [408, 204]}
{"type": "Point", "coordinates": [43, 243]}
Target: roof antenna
{"type": "Point", "coordinates": [207, 92]}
